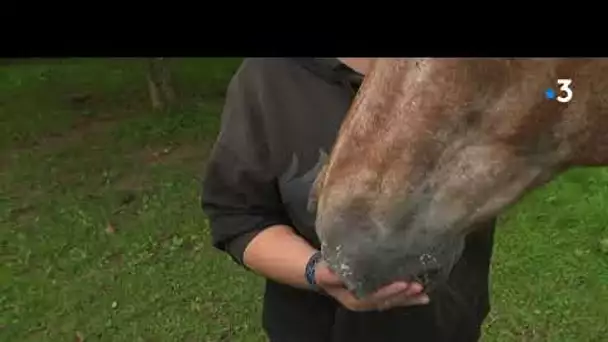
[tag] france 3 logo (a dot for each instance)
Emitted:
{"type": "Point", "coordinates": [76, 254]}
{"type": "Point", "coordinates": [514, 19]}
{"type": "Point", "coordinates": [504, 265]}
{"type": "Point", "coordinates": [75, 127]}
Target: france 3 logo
{"type": "Point", "coordinates": [565, 92]}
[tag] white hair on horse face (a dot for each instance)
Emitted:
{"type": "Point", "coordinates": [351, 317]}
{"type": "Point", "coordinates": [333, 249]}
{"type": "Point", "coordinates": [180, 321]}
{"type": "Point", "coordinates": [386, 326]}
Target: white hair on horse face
{"type": "Point", "coordinates": [339, 263]}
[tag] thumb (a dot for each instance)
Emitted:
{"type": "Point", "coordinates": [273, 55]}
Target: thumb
{"type": "Point", "coordinates": [326, 277]}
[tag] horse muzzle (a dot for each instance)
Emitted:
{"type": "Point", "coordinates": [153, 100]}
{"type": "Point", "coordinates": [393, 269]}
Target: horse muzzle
{"type": "Point", "coordinates": [367, 259]}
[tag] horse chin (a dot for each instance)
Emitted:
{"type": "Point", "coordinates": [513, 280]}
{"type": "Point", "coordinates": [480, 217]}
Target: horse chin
{"type": "Point", "coordinates": [366, 264]}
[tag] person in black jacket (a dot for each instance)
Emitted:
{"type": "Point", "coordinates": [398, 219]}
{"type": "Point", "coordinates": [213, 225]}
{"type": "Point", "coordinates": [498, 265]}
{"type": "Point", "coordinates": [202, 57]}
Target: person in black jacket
{"type": "Point", "coordinates": [280, 119]}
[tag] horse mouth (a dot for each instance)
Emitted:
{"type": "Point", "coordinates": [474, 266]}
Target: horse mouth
{"type": "Point", "coordinates": [364, 276]}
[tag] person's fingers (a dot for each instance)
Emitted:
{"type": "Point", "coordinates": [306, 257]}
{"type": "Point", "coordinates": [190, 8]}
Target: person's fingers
{"type": "Point", "coordinates": [389, 291]}
{"type": "Point", "coordinates": [415, 300]}
{"type": "Point", "coordinates": [413, 289]}
{"type": "Point", "coordinates": [402, 300]}
{"type": "Point", "coordinates": [396, 294]}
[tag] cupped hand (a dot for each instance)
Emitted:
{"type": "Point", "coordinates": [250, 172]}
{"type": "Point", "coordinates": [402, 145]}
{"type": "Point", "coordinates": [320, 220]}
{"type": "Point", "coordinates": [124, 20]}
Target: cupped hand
{"type": "Point", "coordinates": [398, 294]}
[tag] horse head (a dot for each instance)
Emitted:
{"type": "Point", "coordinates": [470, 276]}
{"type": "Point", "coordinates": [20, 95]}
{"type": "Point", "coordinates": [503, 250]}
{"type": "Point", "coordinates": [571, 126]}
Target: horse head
{"type": "Point", "coordinates": [431, 147]}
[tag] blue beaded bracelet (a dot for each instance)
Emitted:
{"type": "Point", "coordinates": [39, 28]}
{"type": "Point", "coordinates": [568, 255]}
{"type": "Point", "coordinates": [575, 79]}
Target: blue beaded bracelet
{"type": "Point", "coordinates": [310, 269]}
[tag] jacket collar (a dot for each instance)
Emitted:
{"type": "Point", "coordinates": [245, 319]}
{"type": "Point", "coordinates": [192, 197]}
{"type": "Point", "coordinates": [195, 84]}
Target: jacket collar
{"type": "Point", "coordinates": [333, 70]}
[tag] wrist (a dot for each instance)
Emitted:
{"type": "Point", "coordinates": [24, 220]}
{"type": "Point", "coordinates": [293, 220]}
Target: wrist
{"type": "Point", "coordinates": [310, 271]}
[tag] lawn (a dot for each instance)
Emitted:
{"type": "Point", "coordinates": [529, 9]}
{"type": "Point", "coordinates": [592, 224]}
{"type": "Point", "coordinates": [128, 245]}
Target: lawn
{"type": "Point", "coordinates": [102, 237]}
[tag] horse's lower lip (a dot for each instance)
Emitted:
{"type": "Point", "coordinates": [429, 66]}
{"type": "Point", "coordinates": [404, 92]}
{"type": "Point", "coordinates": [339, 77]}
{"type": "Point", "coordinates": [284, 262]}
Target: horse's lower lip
{"type": "Point", "coordinates": [364, 286]}
{"type": "Point", "coordinates": [366, 263]}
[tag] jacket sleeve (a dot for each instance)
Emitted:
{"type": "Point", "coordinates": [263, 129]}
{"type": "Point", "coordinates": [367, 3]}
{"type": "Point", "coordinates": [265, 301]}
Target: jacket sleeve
{"type": "Point", "coordinates": [240, 195]}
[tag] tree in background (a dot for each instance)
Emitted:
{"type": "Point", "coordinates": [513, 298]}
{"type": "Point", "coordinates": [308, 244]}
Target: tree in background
{"type": "Point", "coordinates": [162, 94]}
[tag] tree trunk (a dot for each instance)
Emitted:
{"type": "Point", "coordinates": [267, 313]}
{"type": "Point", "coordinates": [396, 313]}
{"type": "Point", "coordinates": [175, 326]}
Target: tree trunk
{"type": "Point", "coordinates": [160, 87]}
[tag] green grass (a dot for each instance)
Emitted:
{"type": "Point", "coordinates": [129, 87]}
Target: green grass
{"type": "Point", "coordinates": [102, 236]}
